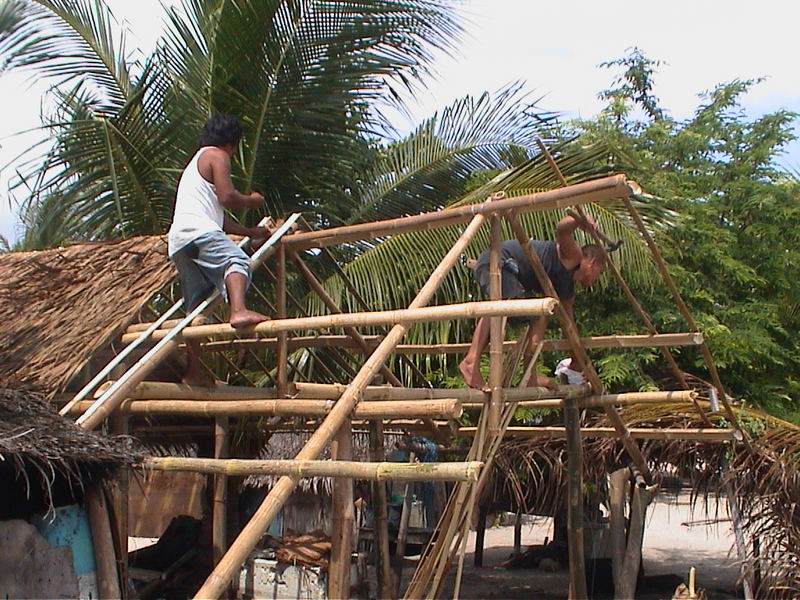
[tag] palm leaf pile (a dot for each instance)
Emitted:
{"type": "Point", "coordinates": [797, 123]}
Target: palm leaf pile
{"type": "Point", "coordinates": [764, 475]}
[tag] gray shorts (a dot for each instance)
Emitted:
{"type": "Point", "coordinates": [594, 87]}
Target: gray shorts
{"type": "Point", "coordinates": [204, 263]}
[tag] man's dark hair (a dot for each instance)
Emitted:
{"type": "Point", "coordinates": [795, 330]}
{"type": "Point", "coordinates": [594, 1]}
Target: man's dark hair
{"type": "Point", "coordinates": [220, 129]}
{"type": "Point", "coordinates": [594, 251]}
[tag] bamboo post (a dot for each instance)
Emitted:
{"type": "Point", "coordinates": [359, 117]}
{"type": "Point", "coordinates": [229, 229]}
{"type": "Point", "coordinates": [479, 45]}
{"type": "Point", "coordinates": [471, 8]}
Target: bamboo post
{"type": "Point", "coordinates": [343, 518]}
{"type": "Point", "coordinates": [280, 313]}
{"type": "Point", "coordinates": [577, 566]}
{"type": "Point", "coordinates": [108, 587]}
{"type": "Point", "coordinates": [495, 330]}
{"type": "Point", "coordinates": [119, 509]}
{"type": "Point", "coordinates": [480, 534]}
{"type": "Point", "coordinates": [402, 532]}
{"type": "Point", "coordinates": [299, 468]}
{"type": "Point", "coordinates": [253, 531]}
{"type": "Point", "coordinates": [383, 566]}
{"type": "Point", "coordinates": [219, 537]}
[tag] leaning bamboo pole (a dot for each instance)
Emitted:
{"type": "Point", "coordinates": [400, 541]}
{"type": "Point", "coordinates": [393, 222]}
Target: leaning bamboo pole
{"type": "Point", "coordinates": [676, 434]}
{"type": "Point", "coordinates": [392, 409]}
{"type": "Point", "coordinates": [591, 191]}
{"type": "Point", "coordinates": [405, 317]}
{"type": "Point", "coordinates": [252, 532]}
{"type": "Point", "coordinates": [300, 468]}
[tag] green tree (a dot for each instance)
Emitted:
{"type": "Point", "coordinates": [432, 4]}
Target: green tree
{"type": "Point", "coordinates": [734, 248]}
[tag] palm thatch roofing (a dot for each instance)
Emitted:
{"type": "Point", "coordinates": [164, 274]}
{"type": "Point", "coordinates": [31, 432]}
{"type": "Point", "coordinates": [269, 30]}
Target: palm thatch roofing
{"type": "Point", "coordinates": [59, 306]}
{"type": "Point", "coordinates": [762, 473]}
{"type": "Point", "coordinates": [33, 435]}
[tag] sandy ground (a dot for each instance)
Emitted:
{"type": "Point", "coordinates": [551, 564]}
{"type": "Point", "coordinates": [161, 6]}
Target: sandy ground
{"type": "Point", "coordinates": [675, 540]}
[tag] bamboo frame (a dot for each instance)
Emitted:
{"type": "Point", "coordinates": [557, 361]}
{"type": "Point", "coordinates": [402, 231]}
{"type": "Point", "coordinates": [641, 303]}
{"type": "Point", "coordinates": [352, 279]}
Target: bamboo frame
{"type": "Point", "coordinates": [343, 518]}
{"type": "Point", "coordinates": [392, 409]}
{"type": "Point", "coordinates": [300, 468]}
{"type": "Point", "coordinates": [333, 391]}
{"type": "Point", "coordinates": [496, 329]}
{"type": "Point", "coordinates": [405, 317]}
{"type": "Point", "coordinates": [251, 533]}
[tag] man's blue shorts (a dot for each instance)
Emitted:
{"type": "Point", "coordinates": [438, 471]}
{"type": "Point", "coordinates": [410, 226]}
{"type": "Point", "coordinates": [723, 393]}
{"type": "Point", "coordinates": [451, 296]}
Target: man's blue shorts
{"type": "Point", "coordinates": [205, 262]}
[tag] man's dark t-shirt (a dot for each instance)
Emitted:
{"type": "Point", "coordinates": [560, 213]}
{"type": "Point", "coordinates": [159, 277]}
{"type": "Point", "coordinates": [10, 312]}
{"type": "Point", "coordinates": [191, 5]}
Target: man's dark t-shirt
{"type": "Point", "coordinates": [518, 278]}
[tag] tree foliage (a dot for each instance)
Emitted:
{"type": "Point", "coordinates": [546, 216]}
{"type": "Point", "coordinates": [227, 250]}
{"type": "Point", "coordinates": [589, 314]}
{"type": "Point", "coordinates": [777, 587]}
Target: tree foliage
{"type": "Point", "coordinates": [734, 249]}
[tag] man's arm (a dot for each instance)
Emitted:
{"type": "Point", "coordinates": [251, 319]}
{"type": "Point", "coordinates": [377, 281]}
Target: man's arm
{"type": "Point", "coordinates": [569, 253]}
{"type": "Point", "coordinates": [215, 166]}
{"type": "Point", "coordinates": [255, 233]}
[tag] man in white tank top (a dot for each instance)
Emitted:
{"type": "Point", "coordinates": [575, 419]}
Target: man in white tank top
{"type": "Point", "coordinates": [197, 242]}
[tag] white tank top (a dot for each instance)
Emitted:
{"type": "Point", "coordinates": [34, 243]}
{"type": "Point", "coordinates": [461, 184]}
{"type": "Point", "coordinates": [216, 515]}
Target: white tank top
{"type": "Point", "coordinates": [197, 209]}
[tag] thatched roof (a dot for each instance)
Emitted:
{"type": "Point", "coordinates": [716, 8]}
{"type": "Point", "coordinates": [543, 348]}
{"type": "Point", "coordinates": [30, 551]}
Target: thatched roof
{"type": "Point", "coordinates": [59, 306]}
{"type": "Point", "coordinates": [33, 434]}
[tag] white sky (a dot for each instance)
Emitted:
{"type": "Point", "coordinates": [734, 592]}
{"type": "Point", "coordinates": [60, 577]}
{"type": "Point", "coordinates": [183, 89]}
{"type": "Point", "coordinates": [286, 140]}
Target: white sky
{"type": "Point", "coordinates": [555, 47]}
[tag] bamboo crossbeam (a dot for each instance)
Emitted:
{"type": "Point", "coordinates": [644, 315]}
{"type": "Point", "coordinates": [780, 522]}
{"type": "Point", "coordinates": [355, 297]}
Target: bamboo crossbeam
{"type": "Point", "coordinates": [700, 435]}
{"type": "Point", "coordinates": [343, 341]}
{"type": "Point", "coordinates": [249, 536]}
{"type": "Point", "coordinates": [366, 471]}
{"type": "Point", "coordinates": [606, 399]}
{"type": "Point", "coordinates": [407, 316]}
{"type": "Point", "coordinates": [597, 190]}
{"type": "Point", "coordinates": [419, 409]}
{"type": "Point", "coordinates": [162, 390]}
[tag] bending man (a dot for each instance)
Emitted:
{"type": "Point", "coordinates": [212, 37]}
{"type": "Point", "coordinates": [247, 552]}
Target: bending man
{"type": "Point", "coordinates": [564, 262]}
{"type": "Point", "coordinates": [204, 255]}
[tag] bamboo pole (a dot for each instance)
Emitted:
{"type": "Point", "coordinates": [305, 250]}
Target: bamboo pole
{"type": "Point", "coordinates": [405, 317]}
{"type": "Point", "coordinates": [618, 485]}
{"type": "Point", "coordinates": [402, 531]}
{"type": "Point", "coordinates": [162, 390]}
{"type": "Point", "coordinates": [219, 517]}
{"type": "Point", "coordinates": [385, 587]}
{"type": "Point", "coordinates": [676, 434]}
{"type": "Point", "coordinates": [333, 391]}
{"type": "Point", "coordinates": [282, 380]}
{"type": "Point", "coordinates": [105, 405]}
{"type": "Point", "coordinates": [625, 399]}
{"type": "Point", "coordinates": [252, 532]}
{"type": "Point", "coordinates": [343, 341]}
{"type": "Point", "coordinates": [343, 518]}
{"type": "Point", "coordinates": [577, 565]}
{"type": "Point", "coordinates": [682, 308]}
{"type": "Point", "coordinates": [597, 190]}
{"type": "Point", "coordinates": [393, 409]}
{"type": "Point", "coordinates": [495, 330]}
{"type": "Point", "coordinates": [108, 587]}
{"type": "Point", "coordinates": [300, 468]}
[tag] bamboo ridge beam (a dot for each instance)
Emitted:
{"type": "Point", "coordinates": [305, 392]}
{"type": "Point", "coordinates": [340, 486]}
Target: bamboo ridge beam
{"type": "Point", "coordinates": [699, 435]}
{"type": "Point", "coordinates": [606, 188]}
{"type": "Point", "coordinates": [380, 471]}
{"type": "Point", "coordinates": [431, 409]}
{"type": "Point", "coordinates": [406, 316]}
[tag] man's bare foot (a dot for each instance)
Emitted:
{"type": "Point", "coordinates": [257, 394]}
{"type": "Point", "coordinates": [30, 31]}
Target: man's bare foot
{"type": "Point", "coordinates": [198, 379]}
{"type": "Point", "coordinates": [246, 318]}
{"type": "Point", "coordinates": [471, 374]}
